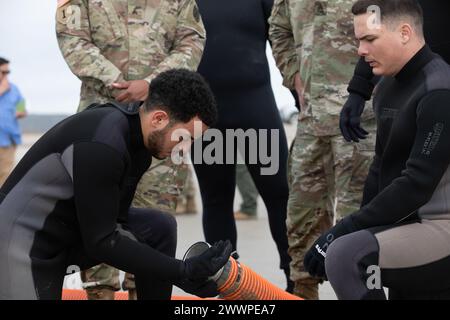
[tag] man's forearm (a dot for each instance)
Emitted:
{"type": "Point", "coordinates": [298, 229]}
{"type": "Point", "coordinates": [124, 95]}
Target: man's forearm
{"type": "Point", "coordinates": [283, 44]}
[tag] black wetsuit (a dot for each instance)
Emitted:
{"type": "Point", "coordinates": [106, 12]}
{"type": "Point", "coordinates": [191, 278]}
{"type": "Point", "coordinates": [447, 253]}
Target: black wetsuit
{"type": "Point", "coordinates": [436, 26]}
{"type": "Point", "coordinates": [67, 203]}
{"type": "Point", "coordinates": [404, 222]}
{"type": "Point", "coordinates": [235, 65]}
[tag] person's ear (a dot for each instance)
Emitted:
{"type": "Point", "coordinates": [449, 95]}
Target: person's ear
{"type": "Point", "coordinates": [159, 119]}
{"type": "Point", "coordinates": [405, 33]}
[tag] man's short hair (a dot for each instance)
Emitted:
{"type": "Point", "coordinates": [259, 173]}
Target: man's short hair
{"type": "Point", "coordinates": [183, 94]}
{"type": "Point", "coordinates": [3, 61]}
{"type": "Point", "coordinates": [392, 10]}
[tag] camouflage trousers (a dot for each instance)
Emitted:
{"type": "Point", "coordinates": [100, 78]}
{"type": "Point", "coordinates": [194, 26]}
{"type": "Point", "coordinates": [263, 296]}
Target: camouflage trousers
{"type": "Point", "coordinates": [189, 193]}
{"type": "Point", "coordinates": [7, 157]}
{"type": "Point", "coordinates": [247, 189]}
{"type": "Point", "coordinates": [159, 188]}
{"type": "Point", "coordinates": [326, 176]}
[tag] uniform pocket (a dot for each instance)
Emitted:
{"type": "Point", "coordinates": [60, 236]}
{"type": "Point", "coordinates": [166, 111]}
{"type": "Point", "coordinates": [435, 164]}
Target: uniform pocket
{"type": "Point", "coordinates": [162, 25]}
{"type": "Point", "coordinates": [105, 23]}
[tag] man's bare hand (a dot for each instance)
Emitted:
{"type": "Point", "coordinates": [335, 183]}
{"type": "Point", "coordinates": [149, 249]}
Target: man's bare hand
{"type": "Point", "coordinates": [300, 90]}
{"type": "Point", "coordinates": [21, 114]}
{"type": "Point", "coordinates": [131, 91]}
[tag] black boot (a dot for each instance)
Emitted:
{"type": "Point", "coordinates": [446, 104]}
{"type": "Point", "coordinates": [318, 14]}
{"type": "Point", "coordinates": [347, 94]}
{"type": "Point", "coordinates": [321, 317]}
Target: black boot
{"type": "Point", "coordinates": [290, 283]}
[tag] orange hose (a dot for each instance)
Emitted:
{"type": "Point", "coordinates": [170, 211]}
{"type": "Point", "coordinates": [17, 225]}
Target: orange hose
{"type": "Point", "coordinates": [72, 294]}
{"type": "Point", "coordinates": [242, 283]}
{"type": "Point", "coordinates": [237, 282]}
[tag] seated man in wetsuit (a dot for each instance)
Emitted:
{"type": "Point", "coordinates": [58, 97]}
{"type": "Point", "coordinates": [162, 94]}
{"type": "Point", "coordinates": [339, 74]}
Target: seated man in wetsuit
{"type": "Point", "coordinates": [436, 24]}
{"type": "Point", "coordinates": [399, 238]}
{"type": "Point", "coordinates": [67, 203]}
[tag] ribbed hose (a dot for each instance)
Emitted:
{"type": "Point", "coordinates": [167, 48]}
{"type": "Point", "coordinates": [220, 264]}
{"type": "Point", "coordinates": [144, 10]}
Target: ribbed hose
{"type": "Point", "coordinates": [239, 282]}
{"type": "Point", "coordinates": [73, 294]}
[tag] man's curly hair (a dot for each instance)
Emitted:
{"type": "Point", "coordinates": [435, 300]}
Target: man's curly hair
{"type": "Point", "coordinates": [183, 94]}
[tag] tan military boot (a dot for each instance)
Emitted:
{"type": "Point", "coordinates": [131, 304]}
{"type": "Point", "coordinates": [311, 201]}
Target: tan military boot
{"type": "Point", "coordinates": [181, 207]}
{"type": "Point", "coordinates": [186, 206]}
{"type": "Point", "coordinates": [307, 290]}
{"type": "Point", "coordinates": [103, 293]}
{"type": "Point", "coordinates": [239, 215]}
{"type": "Point", "coordinates": [132, 294]}
{"type": "Point", "coordinates": [191, 205]}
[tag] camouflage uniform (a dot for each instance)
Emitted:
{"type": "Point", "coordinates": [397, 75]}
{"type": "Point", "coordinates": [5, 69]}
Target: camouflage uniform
{"type": "Point", "coordinates": [186, 202]}
{"type": "Point", "coordinates": [316, 40]}
{"type": "Point", "coordinates": [107, 41]}
{"type": "Point", "coordinates": [248, 191]}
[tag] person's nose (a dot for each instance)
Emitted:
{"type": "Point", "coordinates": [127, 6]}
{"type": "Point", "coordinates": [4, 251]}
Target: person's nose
{"type": "Point", "coordinates": [362, 49]}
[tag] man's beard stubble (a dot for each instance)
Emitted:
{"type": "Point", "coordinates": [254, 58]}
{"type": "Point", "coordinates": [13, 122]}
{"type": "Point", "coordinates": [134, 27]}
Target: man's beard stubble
{"type": "Point", "coordinates": [155, 142]}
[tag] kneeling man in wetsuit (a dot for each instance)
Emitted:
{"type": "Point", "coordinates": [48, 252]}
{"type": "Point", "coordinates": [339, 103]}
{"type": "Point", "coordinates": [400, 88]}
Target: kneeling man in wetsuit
{"type": "Point", "coordinates": [67, 203]}
{"type": "Point", "coordinates": [400, 237]}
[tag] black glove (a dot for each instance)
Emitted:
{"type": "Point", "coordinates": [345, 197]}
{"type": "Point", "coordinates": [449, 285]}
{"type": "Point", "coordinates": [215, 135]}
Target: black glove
{"type": "Point", "coordinates": [208, 263]}
{"type": "Point", "coordinates": [314, 261]}
{"type": "Point", "coordinates": [350, 118]}
{"type": "Point", "coordinates": [202, 288]}
{"type": "Point", "coordinates": [196, 270]}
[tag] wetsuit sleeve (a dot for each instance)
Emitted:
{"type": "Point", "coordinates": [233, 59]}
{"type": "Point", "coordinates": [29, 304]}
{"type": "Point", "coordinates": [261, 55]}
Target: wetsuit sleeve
{"type": "Point", "coordinates": [436, 24]}
{"type": "Point", "coordinates": [267, 9]}
{"type": "Point", "coordinates": [427, 163]}
{"type": "Point", "coordinates": [267, 6]}
{"type": "Point", "coordinates": [283, 43]}
{"type": "Point", "coordinates": [97, 174]}
{"type": "Point", "coordinates": [371, 183]}
{"type": "Point", "coordinates": [363, 80]}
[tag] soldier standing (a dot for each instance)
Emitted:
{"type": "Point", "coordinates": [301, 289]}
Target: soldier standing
{"type": "Point", "coordinates": [186, 203]}
{"type": "Point", "coordinates": [314, 47]}
{"type": "Point", "coordinates": [116, 48]}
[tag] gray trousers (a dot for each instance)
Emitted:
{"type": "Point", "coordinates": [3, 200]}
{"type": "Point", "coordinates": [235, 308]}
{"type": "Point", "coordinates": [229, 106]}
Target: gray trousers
{"type": "Point", "coordinates": [412, 258]}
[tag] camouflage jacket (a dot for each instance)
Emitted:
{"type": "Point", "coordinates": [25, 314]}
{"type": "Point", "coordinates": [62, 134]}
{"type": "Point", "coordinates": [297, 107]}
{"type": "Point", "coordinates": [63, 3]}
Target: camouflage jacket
{"type": "Point", "coordinates": [316, 38]}
{"type": "Point", "coordinates": [104, 41]}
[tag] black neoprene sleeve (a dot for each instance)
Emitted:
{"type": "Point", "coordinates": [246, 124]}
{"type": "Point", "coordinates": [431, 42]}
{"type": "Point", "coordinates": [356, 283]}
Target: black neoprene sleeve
{"type": "Point", "coordinates": [424, 169]}
{"type": "Point", "coordinates": [361, 82]}
{"type": "Point", "coordinates": [97, 174]}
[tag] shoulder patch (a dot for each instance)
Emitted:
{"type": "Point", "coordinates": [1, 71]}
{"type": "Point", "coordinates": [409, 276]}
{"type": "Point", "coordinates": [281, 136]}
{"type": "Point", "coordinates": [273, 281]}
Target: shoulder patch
{"type": "Point", "coordinates": [320, 8]}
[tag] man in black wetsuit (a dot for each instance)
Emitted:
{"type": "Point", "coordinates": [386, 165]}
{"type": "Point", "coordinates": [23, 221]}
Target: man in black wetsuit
{"type": "Point", "coordinates": [436, 26]}
{"type": "Point", "coordinates": [67, 203]}
{"type": "Point", "coordinates": [399, 238]}
{"type": "Point", "coordinates": [235, 65]}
